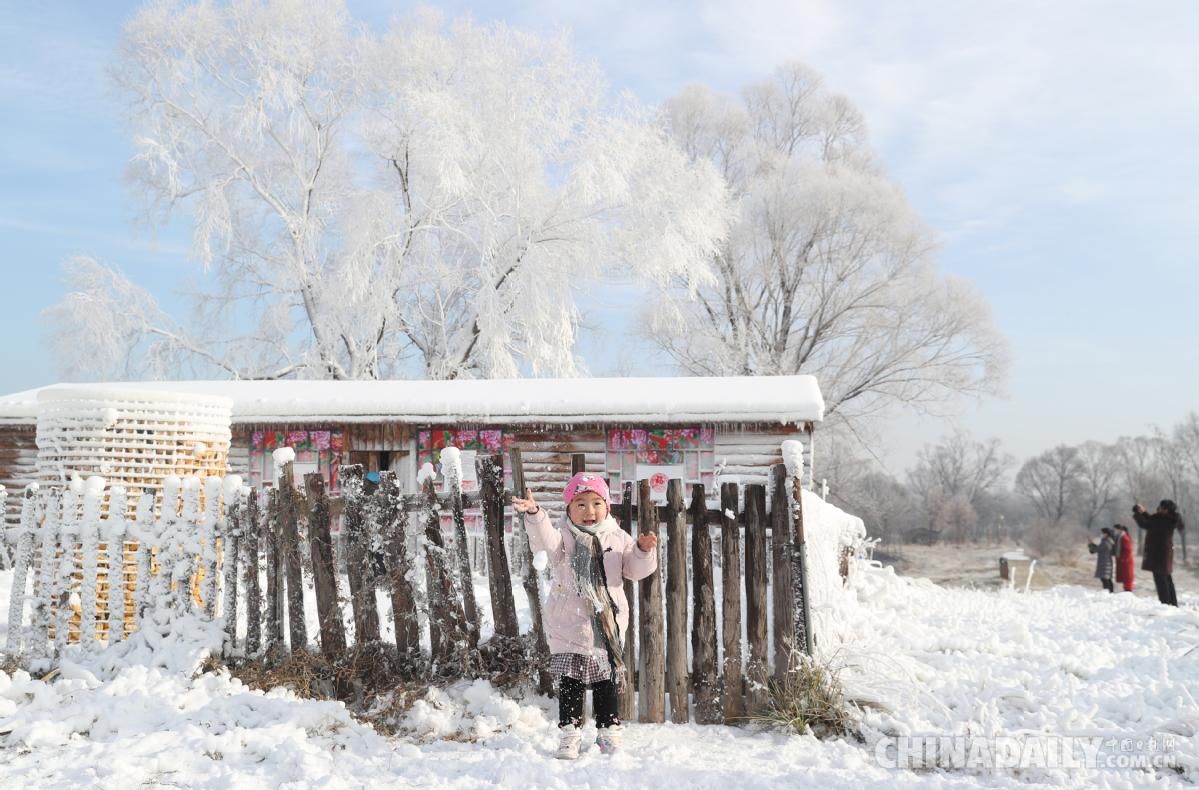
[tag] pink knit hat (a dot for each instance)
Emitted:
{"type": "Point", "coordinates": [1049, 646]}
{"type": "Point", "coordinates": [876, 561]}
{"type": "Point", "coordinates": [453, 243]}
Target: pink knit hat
{"type": "Point", "coordinates": [586, 481]}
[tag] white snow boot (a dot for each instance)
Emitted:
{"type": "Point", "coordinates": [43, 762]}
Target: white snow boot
{"type": "Point", "coordinates": [569, 741]}
{"type": "Point", "coordinates": [608, 739]}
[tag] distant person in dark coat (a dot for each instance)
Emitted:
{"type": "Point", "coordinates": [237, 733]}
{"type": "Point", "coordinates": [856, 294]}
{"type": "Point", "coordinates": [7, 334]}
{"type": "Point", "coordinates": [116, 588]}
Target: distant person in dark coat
{"type": "Point", "coordinates": [1106, 561]}
{"type": "Point", "coordinates": [1159, 546]}
{"type": "Point", "coordinates": [1125, 558]}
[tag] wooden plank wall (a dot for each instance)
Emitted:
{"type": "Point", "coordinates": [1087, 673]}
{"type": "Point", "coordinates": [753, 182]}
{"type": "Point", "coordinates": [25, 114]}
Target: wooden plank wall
{"type": "Point", "coordinates": [18, 466]}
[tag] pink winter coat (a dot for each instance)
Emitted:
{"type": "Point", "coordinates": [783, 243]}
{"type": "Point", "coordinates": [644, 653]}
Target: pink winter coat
{"type": "Point", "coordinates": [567, 617]}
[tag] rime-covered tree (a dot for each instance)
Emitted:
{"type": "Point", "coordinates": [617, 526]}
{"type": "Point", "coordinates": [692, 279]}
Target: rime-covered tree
{"type": "Point", "coordinates": [427, 196]}
{"type": "Point", "coordinates": [1051, 481]}
{"type": "Point", "coordinates": [827, 270]}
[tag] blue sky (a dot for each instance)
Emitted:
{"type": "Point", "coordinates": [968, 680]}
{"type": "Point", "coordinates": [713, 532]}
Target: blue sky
{"type": "Point", "coordinates": [1050, 145]}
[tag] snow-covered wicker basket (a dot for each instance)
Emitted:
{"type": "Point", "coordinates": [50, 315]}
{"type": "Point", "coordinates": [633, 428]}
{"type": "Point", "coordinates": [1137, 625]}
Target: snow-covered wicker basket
{"type": "Point", "coordinates": [134, 439]}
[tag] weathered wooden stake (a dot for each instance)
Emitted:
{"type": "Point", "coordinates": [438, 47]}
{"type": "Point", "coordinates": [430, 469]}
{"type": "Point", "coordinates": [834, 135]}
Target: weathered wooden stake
{"type": "Point", "coordinates": [447, 624]}
{"type": "Point", "coordinates": [466, 581]}
{"type": "Point", "coordinates": [399, 567]}
{"type": "Point", "coordinates": [499, 578]}
{"type": "Point", "coordinates": [651, 699]}
{"type": "Point", "coordinates": [705, 678]}
{"type": "Point", "coordinates": [362, 593]}
{"type": "Point", "coordinates": [783, 623]}
{"type": "Point", "coordinates": [324, 570]}
{"type": "Point", "coordinates": [627, 692]}
{"type": "Point", "coordinates": [289, 534]}
{"type": "Point", "coordinates": [578, 463]}
{"type": "Point", "coordinates": [532, 583]}
{"type": "Point", "coordinates": [252, 525]}
{"type": "Point", "coordinates": [756, 618]}
{"type": "Point", "coordinates": [799, 571]}
{"type": "Point", "coordinates": [676, 604]}
{"type": "Point", "coordinates": [229, 546]}
{"type": "Point", "coordinates": [274, 563]}
{"type": "Point", "coordinates": [730, 610]}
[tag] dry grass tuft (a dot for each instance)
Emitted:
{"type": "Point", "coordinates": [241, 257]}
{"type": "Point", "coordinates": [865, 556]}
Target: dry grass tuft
{"type": "Point", "coordinates": [810, 699]}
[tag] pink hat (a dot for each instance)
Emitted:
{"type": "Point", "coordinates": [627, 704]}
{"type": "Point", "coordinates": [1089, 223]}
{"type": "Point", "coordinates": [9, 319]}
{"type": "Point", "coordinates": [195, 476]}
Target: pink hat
{"type": "Point", "coordinates": [586, 481]}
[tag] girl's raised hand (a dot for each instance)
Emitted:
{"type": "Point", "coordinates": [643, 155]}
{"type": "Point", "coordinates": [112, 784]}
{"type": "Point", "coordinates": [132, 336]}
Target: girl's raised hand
{"type": "Point", "coordinates": [647, 542]}
{"type": "Point", "coordinates": [526, 505]}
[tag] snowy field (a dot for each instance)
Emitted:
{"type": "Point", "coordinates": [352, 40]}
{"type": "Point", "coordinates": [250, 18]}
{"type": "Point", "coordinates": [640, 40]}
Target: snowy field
{"type": "Point", "coordinates": [932, 661]}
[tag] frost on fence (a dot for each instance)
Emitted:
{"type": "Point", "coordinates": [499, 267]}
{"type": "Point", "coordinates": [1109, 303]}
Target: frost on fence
{"type": "Point", "coordinates": [70, 589]}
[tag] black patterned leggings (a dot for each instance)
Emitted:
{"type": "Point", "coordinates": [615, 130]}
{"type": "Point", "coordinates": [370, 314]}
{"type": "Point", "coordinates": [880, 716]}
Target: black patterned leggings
{"type": "Point", "coordinates": [570, 702]}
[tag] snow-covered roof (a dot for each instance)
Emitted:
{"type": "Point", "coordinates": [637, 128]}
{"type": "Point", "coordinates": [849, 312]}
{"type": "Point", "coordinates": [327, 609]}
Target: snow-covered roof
{"type": "Point", "coordinates": [781, 399]}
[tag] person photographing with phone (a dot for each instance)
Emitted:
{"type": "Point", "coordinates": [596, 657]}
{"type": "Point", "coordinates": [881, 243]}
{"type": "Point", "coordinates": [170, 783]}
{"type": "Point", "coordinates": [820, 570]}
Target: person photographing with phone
{"type": "Point", "coordinates": [1159, 546]}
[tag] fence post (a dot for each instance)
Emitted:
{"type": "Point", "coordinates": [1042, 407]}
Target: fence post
{"type": "Point", "coordinates": [289, 532]}
{"type": "Point", "coordinates": [394, 527]}
{"type": "Point", "coordinates": [89, 550]}
{"type": "Point", "coordinates": [651, 700]}
{"type": "Point", "coordinates": [704, 677]}
{"type": "Point", "coordinates": [503, 605]}
{"type": "Point", "coordinates": [447, 628]}
{"type": "Point", "coordinates": [462, 552]}
{"type": "Point", "coordinates": [114, 540]}
{"type": "Point", "coordinates": [532, 585]}
{"type": "Point", "coordinates": [627, 692]}
{"type": "Point", "coordinates": [362, 594]}
{"type": "Point", "coordinates": [230, 543]}
{"type": "Point", "coordinates": [578, 463]}
{"type": "Point", "coordinates": [212, 526]}
{"type": "Point", "coordinates": [47, 589]}
{"type": "Point", "coordinates": [274, 605]}
{"type": "Point", "coordinates": [253, 530]}
{"type": "Point", "coordinates": [782, 624]}
{"type": "Point", "coordinates": [21, 562]}
{"type": "Point", "coordinates": [757, 668]}
{"type": "Point", "coordinates": [799, 571]}
{"type": "Point", "coordinates": [324, 572]}
{"type": "Point", "coordinates": [144, 533]}
{"type": "Point", "coordinates": [676, 603]}
{"type": "Point", "coordinates": [730, 610]}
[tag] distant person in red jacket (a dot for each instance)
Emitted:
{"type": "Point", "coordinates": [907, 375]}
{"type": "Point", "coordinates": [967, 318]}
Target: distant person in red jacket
{"type": "Point", "coordinates": [1125, 558]}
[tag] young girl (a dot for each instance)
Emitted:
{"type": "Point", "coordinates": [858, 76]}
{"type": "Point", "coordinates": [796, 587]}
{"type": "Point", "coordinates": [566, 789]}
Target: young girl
{"type": "Point", "coordinates": [586, 613]}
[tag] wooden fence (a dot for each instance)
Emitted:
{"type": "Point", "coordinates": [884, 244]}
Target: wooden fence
{"type": "Point", "coordinates": [218, 548]}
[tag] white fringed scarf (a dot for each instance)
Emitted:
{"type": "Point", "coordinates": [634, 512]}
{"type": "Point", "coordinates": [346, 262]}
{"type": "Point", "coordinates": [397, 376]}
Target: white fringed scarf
{"type": "Point", "coordinates": [587, 567]}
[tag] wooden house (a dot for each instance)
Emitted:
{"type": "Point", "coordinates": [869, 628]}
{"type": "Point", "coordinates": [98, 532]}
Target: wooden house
{"type": "Point", "coordinates": [697, 429]}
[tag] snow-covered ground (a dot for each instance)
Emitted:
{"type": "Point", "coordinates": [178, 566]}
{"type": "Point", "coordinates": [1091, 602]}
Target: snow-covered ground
{"type": "Point", "coordinates": [934, 661]}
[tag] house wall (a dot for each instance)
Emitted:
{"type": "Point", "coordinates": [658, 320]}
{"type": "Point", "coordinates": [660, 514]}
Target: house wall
{"type": "Point", "coordinates": [18, 466]}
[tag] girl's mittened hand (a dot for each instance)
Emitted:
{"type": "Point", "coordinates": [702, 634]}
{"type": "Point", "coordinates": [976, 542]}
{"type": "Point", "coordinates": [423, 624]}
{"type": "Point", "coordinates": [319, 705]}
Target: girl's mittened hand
{"type": "Point", "coordinates": [526, 505]}
{"type": "Point", "coordinates": [647, 542]}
